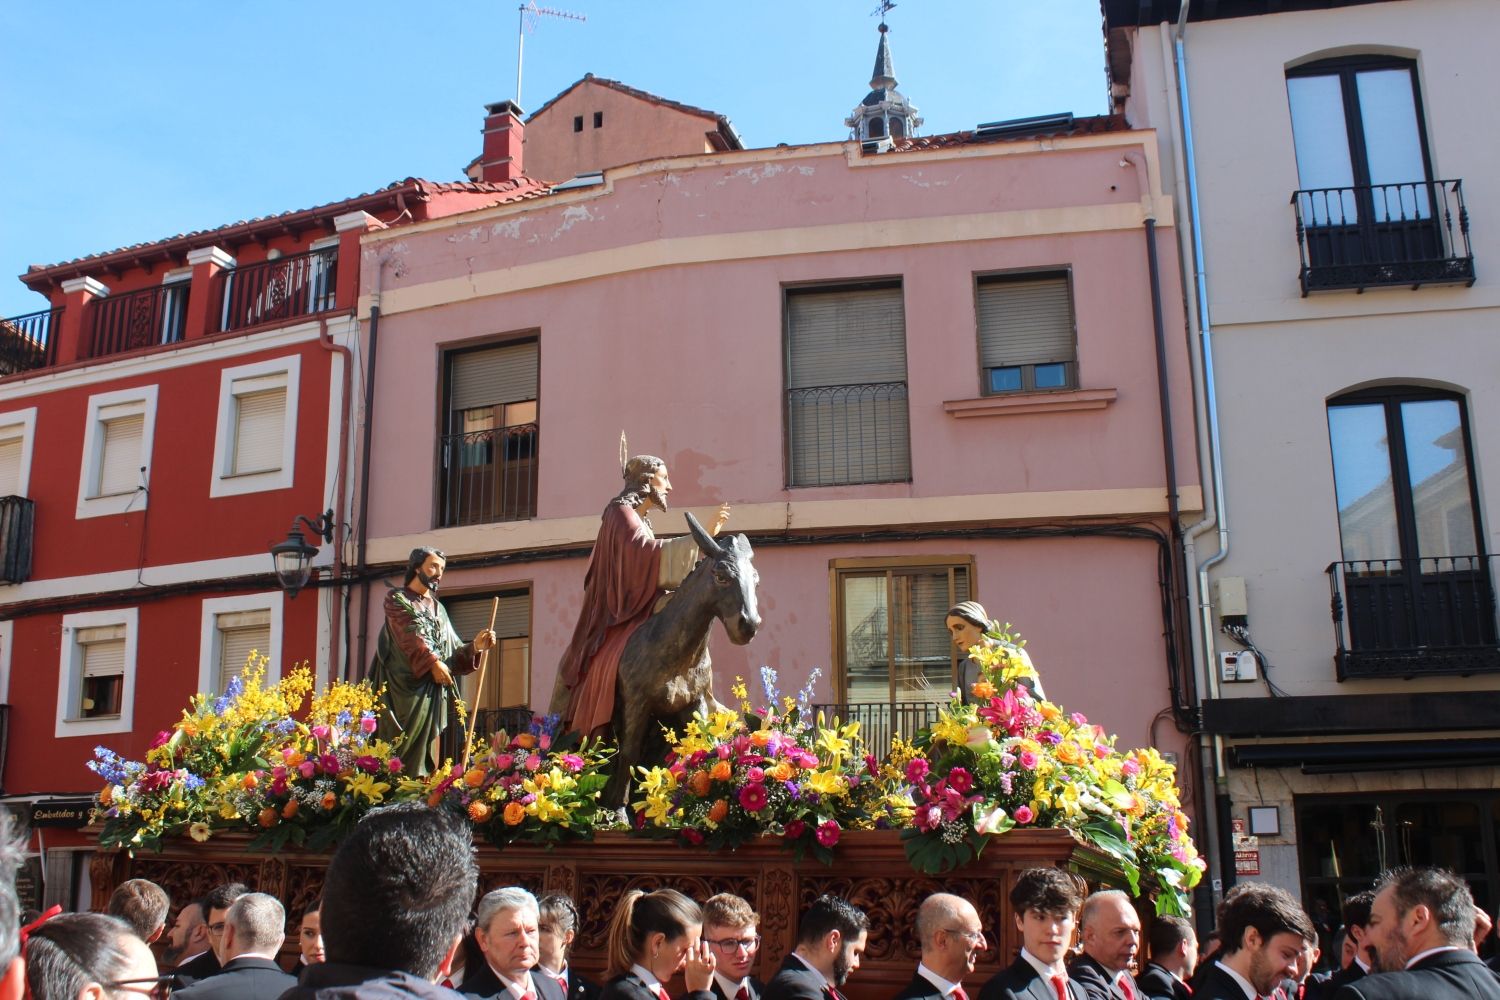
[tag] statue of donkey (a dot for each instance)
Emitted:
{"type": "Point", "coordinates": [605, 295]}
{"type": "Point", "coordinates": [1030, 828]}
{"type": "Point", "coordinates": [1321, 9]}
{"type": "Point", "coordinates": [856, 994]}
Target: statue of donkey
{"type": "Point", "coordinates": [665, 675]}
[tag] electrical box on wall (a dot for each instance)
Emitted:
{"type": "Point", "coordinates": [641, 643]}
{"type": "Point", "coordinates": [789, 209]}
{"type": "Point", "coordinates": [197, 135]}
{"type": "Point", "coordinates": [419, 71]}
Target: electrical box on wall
{"type": "Point", "coordinates": [1229, 597]}
{"type": "Point", "coordinates": [1240, 666]}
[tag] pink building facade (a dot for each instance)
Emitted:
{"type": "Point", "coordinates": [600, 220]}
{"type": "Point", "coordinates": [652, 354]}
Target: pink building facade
{"type": "Point", "coordinates": [920, 374]}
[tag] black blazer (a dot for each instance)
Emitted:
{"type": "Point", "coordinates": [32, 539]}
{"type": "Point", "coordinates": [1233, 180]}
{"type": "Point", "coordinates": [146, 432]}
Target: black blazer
{"type": "Point", "coordinates": [1448, 975]}
{"type": "Point", "coordinates": [243, 978]}
{"type": "Point", "coordinates": [1159, 984]}
{"type": "Point", "coordinates": [920, 988]}
{"type": "Point", "coordinates": [485, 985]}
{"type": "Point", "coordinates": [1097, 981]}
{"type": "Point", "coordinates": [1216, 984]}
{"type": "Point", "coordinates": [202, 967]}
{"type": "Point", "coordinates": [630, 987]}
{"type": "Point", "coordinates": [580, 987]}
{"type": "Point", "coordinates": [794, 981]}
{"type": "Point", "coordinates": [1022, 982]}
{"type": "Point", "coordinates": [755, 985]}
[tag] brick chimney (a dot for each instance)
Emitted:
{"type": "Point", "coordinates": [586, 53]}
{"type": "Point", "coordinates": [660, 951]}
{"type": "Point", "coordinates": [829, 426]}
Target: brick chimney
{"type": "Point", "coordinates": [503, 133]}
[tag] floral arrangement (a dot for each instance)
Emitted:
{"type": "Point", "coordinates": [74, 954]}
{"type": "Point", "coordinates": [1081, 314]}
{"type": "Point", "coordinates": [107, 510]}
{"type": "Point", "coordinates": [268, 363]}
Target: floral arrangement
{"type": "Point", "coordinates": [534, 787]}
{"type": "Point", "coordinates": [1007, 759]}
{"type": "Point", "coordinates": [733, 776]}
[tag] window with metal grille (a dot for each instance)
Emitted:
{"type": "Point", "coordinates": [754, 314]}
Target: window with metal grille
{"type": "Point", "coordinates": [489, 446]}
{"type": "Point", "coordinates": [240, 633]}
{"type": "Point", "coordinates": [1027, 337]}
{"type": "Point", "coordinates": [846, 404]}
{"type": "Point", "coordinates": [101, 659]}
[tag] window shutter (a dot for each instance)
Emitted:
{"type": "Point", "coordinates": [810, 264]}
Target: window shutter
{"type": "Point", "coordinates": [493, 376]}
{"type": "Point", "coordinates": [239, 633]}
{"type": "Point", "coordinates": [847, 419]}
{"type": "Point", "coordinates": [103, 657]}
{"type": "Point", "coordinates": [10, 466]}
{"type": "Point", "coordinates": [470, 615]}
{"type": "Point", "coordinates": [1025, 321]}
{"type": "Point", "coordinates": [259, 431]}
{"type": "Point", "coordinates": [120, 458]}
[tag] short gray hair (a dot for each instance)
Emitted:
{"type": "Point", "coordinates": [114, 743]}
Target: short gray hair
{"type": "Point", "coordinates": [259, 922]}
{"type": "Point", "coordinates": [511, 897]}
{"type": "Point", "coordinates": [1092, 904]}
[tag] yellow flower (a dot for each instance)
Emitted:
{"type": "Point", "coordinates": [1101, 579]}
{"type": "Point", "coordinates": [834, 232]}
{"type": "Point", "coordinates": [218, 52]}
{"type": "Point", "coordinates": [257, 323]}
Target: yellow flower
{"type": "Point", "coordinates": [738, 689]}
{"type": "Point", "coordinates": [547, 810]}
{"type": "Point", "coordinates": [721, 724]}
{"type": "Point", "coordinates": [950, 730]}
{"type": "Point", "coordinates": [825, 783]}
{"type": "Point", "coordinates": [199, 831]}
{"type": "Point", "coordinates": [367, 787]}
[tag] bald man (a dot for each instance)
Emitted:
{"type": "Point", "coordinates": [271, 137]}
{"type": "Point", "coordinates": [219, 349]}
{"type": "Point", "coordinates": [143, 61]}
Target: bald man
{"type": "Point", "coordinates": [1111, 934]}
{"type": "Point", "coordinates": [952, 939]}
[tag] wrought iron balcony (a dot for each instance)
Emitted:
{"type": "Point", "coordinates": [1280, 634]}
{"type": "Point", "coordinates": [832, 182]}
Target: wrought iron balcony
{"type": "Point", "coordinates": [140, 319]}
{"type": "Point", "coordinates": [881, 720]}
{"type": "Point", "coordinates": [489, 476]}
{"type": "Point", "coordinates": [855, 433]}
{"type": "Point", "coordinates": [279, 290]}
{"type": "Point", "coordinates": [16, 519]}
{"type": "Point", "coordinates": [1414, 618]}
{"type": "Point", "coordinates": [28, 342]}
{"type": "Point", "coordinates": [1374, 235]}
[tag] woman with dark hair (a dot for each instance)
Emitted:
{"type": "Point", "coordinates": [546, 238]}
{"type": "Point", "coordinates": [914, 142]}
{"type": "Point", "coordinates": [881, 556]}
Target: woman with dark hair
{"type": "Point", "coordinates": [652, 936]}
{"type": "Point", "coordinates": [89, 956]}
{"type": "Point", "coordinates": [557, 926]}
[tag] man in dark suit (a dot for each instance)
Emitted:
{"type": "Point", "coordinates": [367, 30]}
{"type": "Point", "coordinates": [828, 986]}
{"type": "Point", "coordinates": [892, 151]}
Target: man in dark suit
{"type": "Point", "coordinates": [1263, 930]}
{"type": "Point", "coordinates": [831, 938]}
{"type": "Point", "coordinates": [732, 929]}
{"type": "Point", "coordinates": [1422, 933]}
{"type": "Point", "coordinates": [1111, 933]}
{"type": "Point", "coordinates": [188, 946]}
{"type": "Point", "coordinates": [506, 927]}
{"type": "Point", "coordinates": [254, 930]}
{"type": "Point", "coordinates": [213, 908]}
{"type": "Point", "coordinates": [1045, 902]}
{"type": "Point", "coordinates": [951, 936]}
{"type": "Point", "coordinates": [1355, 959]}
{"type": "Point", "coordinates": [557, 927]}
{"type": "Point", "coordinates": [1174, 955]}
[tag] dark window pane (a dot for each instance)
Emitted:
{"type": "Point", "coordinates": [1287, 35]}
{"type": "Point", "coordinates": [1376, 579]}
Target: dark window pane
{"type": "Point", "coordinates": [1052, 376]}
{"type": "Point", "coordinates": [1442, 832]}
{"type": "Point", "coordinates": [1005, 379]}
{"type": "Point", "coordinates": [1338, 841]}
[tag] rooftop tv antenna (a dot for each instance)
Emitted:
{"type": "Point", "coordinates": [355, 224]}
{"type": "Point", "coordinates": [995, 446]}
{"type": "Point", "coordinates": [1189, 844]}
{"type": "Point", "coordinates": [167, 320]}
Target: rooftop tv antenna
{"type": "Point", "coordinates": [529, 14]}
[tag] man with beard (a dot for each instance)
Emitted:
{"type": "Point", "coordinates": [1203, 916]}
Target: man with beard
{"type": "Point", "coordinates": [630, 568]}
{"type": "Point", "coordinates": [1263, 929]}
{"type": "Point", "coordinates": [1422, 933]}
{"type": "Point", "coordinates": [830, 940]}
{"type": "Point", "coordinates": [190, 946]}
{"type": "Point", "coordinates": [952, 937]}
{"type": "Point", "coordinates": [416, 659]}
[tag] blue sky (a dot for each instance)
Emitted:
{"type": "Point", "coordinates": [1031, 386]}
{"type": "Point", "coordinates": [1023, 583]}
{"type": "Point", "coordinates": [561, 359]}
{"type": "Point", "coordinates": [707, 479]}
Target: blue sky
{"type": "Point", "coordinates": [126, 123]}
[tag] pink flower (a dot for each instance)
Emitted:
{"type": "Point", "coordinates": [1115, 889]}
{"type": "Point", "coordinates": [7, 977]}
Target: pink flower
{"type": "Point", "coordinates": [321, 732]}
{"type": "Point", "coordinates": [697, 758]}
{"type": "Point", "coordinates": [533, 762]}
{"type": "Point", "coordinates": [755, 775]}
{"type": "Point", "coordinates": [916, 770]}
{"type": "Point", "coordinates": [288, 752]}
{"type": "Point", "coordinates": [572, 762]}
{"type": "Point", "coordinates": [1028, 760]}
{"type": "Point", "coordinates": [394, 765]}
{"type": "Point", "coordinates": [828, 833]}
{"type": "Point", "coordinates": [961, 780]}
{"type": "Point", "coordinates": [872, 766]}
{"type": "Point", "coordinates": [1079, 719]}
{"type": "Point", "coordinates": [161, 739]}
{"type": "Point", "coordinates": [307, 768]}
{"type": "Point", "coordinates": [723, 751]}
{"type": "Point", "coordinates": [753, 797]}
{"type": "Point", "coordinates": [367, 723]}
{"type": "Point", "coordinates": [504, 761]}
{"type": "Point", "coordinates": [329, 763]}
{"type": "Point", "coordinates": [544, 741]}
{"type": "Point", "coordinates": [1130, 768]}
{"type": "Point", "coordinates": [796, 828]}
{"type": "Point", "coordinates": [1024, 815]}
{"type": "Point", "coordinates": [367, 763]}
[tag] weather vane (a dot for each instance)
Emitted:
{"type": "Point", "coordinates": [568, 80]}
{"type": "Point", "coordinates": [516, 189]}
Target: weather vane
{"type": "Point", "coordinates": [529, 14]}
{"type": "Point", "coordinates": [886, 6]}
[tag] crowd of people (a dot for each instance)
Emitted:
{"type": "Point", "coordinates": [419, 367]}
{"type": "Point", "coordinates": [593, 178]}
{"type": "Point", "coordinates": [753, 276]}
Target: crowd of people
{"type": "Point", "coordinates": [1413, 935]}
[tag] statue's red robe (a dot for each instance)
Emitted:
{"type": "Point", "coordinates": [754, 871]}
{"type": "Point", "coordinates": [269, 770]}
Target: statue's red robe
{"type": "Point", "coordinates": [619, 591]}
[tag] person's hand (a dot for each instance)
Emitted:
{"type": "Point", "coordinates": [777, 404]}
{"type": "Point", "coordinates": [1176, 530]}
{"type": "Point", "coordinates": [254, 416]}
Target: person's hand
{"type": "Point", "coordinates": [484, 640]}
{"type": "Point", "coordinates": [1482, 926]}
{"type": "Point", "coordinates": [698, 970]}
{"type": "Point", "coordinates": [441, 675]}
{"type": "Point", "coordinates": [721, 518]}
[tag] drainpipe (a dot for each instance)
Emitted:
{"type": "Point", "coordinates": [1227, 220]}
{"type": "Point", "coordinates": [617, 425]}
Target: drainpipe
{"type": "Point", "coordinates": [1181, 708]}
{"type": "Point", "coordinates": [357, 668]}
{"type": "Point", "coordinates": [340, 525]}
{"type": "Point", "coordinates": [1217, 516]}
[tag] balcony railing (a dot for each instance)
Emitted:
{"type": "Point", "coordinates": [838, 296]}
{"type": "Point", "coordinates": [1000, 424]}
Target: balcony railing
{"type": "Point", "coordinates": [1368, 236]}
{"type": "Point", "coordinates": [855, 433]}
{"type": "Point", "coordinates": [1411, 618]}
{"type": "Point", "coordinates": [279, 290]}
{"type": "Point", "coordinates": [16, 520]}
{"type": "Point", "coordinates": [28, 342]}
{"type": "Point", "coordinates": [881, 720]}
{"type": "Point", "coordinates": [140, 319]}
{"type": "Point", "coordinates": [489, 476]}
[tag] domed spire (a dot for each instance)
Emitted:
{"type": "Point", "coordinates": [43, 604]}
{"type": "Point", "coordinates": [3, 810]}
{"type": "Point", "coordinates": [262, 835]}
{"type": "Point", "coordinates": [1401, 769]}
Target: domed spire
{"type": "Point", "coordinates": [884, 111]}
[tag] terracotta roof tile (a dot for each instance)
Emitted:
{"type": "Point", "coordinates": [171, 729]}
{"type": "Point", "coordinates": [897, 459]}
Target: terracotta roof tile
{"type": "Point", "coordinates": [1079, 126]}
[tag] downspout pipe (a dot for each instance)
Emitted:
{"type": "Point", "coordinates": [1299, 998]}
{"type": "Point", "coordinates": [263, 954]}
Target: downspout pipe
{"type": "Point", "coordinates": [340, 647]}
{"type": "Point", "coordinates": [1218, 517]}
{"type": "Point", "coordinates": [361, 562]}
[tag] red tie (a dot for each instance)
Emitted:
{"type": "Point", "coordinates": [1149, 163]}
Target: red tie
{"type": "Point", "coordinates": [743, 993]}
{"type": "Point", "coordinates": [563, 982]}
{"type": "Point", "coordinates": [1061, 986]}
{"type": "Point", "coordinates": [528, 995]}
{"type": "Point", "coordinates": [447, 983]}
{"type": "Point", "coordinates": [661, 992]}
{"type": "Point", "coordinates": [958, 993]}
{"type": "Point", "coordinates": [1124, 985]}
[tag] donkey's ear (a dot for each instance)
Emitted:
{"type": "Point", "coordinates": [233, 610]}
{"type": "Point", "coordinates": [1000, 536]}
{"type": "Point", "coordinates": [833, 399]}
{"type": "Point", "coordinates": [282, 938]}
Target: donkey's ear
{"type": "Point", "coordinates": [706, 543]}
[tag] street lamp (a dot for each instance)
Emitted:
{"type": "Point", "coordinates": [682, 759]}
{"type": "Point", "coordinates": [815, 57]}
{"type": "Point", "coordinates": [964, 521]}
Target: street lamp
{"type": "Point", "coordinates": [293, 557]}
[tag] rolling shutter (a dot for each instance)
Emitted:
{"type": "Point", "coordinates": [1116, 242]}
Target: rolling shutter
{"type": "Point", "coordinates": [120, 455]}
{"type": "Point", "coordinates": [259, 430]}
{"type": "Point", "coordinates": [845, 336]}
{"type": "Point", "coordinates": [239, 633]}
{"type": "Point", "coordinates": [493, 376]}
{"type": "Point", "coordinates": [10, 466]}
{"type": "Point", "coordinates": [470, 615]}
{"type": "Point", "coordinates": [1027, 321]}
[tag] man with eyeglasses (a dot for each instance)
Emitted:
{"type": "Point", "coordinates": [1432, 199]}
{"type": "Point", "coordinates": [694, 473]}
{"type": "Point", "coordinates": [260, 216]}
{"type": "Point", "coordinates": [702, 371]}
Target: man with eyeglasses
{"type": "Point", "coordinates": [730, 927]}
{"type": "Point", "coordinates": [952, 938]}
{"type": "Point", "coordinates": [254, 931]}
{"type": "Point", "coordinates": [193, 940]}
{"type": "Point", "coordinates": [216, 908]}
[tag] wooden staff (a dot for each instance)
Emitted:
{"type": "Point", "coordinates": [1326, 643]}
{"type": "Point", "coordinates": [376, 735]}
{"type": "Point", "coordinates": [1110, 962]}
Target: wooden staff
{"type": "Point", "coordinates": [484, 662]}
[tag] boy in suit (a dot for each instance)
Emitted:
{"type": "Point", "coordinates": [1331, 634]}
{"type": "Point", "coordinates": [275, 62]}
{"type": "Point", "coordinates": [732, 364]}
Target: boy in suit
{"type": "Point", "coordinates": [1045, 902]}
{"type": "Point", "coordinates": [732, 930]}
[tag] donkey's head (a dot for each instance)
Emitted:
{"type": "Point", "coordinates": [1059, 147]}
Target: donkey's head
{"type": "Point", "coordinates": [734, 579]}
